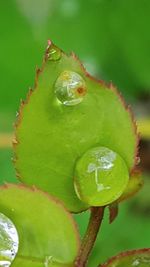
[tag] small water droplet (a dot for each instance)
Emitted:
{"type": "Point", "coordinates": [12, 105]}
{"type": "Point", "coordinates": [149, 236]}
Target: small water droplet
{"type": "Point", "coordinates": [141, 261]}
{"type": "Point", "coordinates": [53, 53]}
{"type": "Point", "coordinates": [50, 261]}
{"type": "Point", "coordinates": [70, 88]}
{"type": "Point", "coordinates": [138, 160]}
{"type": "Point", "coordinates": [9, 241]}
{"type": "Point", "coordinates": [136, 262]}
{"type": "Point", "coordinates": [101, 176]}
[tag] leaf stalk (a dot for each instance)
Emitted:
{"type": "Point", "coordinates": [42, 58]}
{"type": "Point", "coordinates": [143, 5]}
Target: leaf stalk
{"type": "Point", "coordinates": [89, 239]}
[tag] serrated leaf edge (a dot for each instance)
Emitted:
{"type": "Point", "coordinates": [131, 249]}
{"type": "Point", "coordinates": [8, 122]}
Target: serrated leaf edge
{"type": "Point", "coordinates": [125, 254]}
{"type": "Point", "coordinates": [33, 189]}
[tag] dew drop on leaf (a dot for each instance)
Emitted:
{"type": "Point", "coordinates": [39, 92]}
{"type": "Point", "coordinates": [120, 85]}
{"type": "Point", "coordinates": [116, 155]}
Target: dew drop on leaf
{"type": "Point", "coordinates": [141, 261]}
{"type": "Point", "coordinates": [9, 241]}
{"type": "Point", "coordinates": [101, 176]}
{"type": "Point", "coordinates": [53, 53]}
{"type": "Point", "coordinates": [70, 88]}
{"type": "Point", "coordinates": [132, 261]}
{"type": "Point", "coordinates": [48, 261]}
{"type": "Point", "coordinates": [51, 262]}
{"type": "Point", "coordinates": [133, 258]}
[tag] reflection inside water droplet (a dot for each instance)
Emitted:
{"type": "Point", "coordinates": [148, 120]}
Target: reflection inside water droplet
{"type": "Point", "coordinates": [70, 88]}
{"type": "Point", "coordinates": [101, 176]}
{"type": "Point", "coordinates": [102, 159]}
{"type": "Point", "coordinates": [8, 241]}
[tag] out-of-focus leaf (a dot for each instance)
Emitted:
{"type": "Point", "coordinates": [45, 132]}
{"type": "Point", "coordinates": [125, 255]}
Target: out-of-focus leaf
{"type": "Point", "coordinates": [144, 128]}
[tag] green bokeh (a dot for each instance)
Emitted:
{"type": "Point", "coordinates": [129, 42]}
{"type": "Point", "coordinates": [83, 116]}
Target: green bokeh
{"type": "Point", "coordinates": [110, 36]}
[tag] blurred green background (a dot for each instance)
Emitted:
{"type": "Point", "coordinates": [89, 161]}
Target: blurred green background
{"type": "Point", "coordinates": [112, 38]}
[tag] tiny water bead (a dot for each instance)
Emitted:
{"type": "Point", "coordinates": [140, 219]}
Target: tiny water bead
{"type": "Point", "coordinates": [101, 176]}
{"type": "Point", "coordinates": [48, 261]}
{"type": "Point", "coordinates": [9, 241]}
{"type": "Point", "coordinates": [70, 88]}
{"type": "Point", "coordinates": [131, 261]}
{"type": "Point", "coordinates": [51, 262]}
{"type": "Point", "coordinates": [53, 53]}
{"type": "Point", "coordinates": [141, 261]}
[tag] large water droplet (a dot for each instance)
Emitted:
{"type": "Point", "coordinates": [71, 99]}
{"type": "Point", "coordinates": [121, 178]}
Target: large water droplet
{"type": "Point", "coordinates": [53, 53]}
{"type": "Point", "coordinates": [101, 176]}
{"type": "Point", "coordinates": [9, 241]}
{"type": "Point", "coordinates": [70, 88]}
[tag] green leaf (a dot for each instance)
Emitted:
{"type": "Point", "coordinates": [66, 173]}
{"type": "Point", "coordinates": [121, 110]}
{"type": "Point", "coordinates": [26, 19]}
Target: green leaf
{"type": "Point", "coordinates": [135, 183]}
{"type": "Point", "coordinates": [24, 262]}
{"type": "Point", "coordinates": [139, 258]}
{"type": "Point", "coordinates": [101, 176]}
{"type": "Point", "coordinates": [29, 262]}
{"type": "Point", "coordinates": [45, 228]}
{"type": "Point", "coordinates": [52, 134]}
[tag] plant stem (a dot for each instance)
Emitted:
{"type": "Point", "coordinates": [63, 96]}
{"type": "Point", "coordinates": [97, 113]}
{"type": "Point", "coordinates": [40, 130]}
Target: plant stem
{"type": "Point", "coordinates": [90, 236]}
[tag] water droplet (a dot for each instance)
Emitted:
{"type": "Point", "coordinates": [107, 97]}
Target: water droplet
{"type": "Point", "coordinates": [50, 261]}
{"type": "Point", "coordinates": [9, 241]}
{"type": "Point", "coordinates": [70, 88]}
{"type": "Point", "coordinates": [141, 261]}
{"type": "Point", "coordinates": [53, 53]}
{"type": "Point", "coordinates": [101, 176]}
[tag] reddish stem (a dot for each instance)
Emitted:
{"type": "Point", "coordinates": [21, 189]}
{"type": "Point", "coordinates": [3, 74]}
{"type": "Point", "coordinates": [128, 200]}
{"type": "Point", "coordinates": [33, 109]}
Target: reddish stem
{"type": "Point", "coordinates": [90, 236]}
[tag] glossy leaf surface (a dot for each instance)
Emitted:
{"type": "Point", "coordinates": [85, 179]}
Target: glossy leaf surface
{"type": "Point", "coordinates": [45, 228]}
{"type": "Point", "coordinates": [51, 135]}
